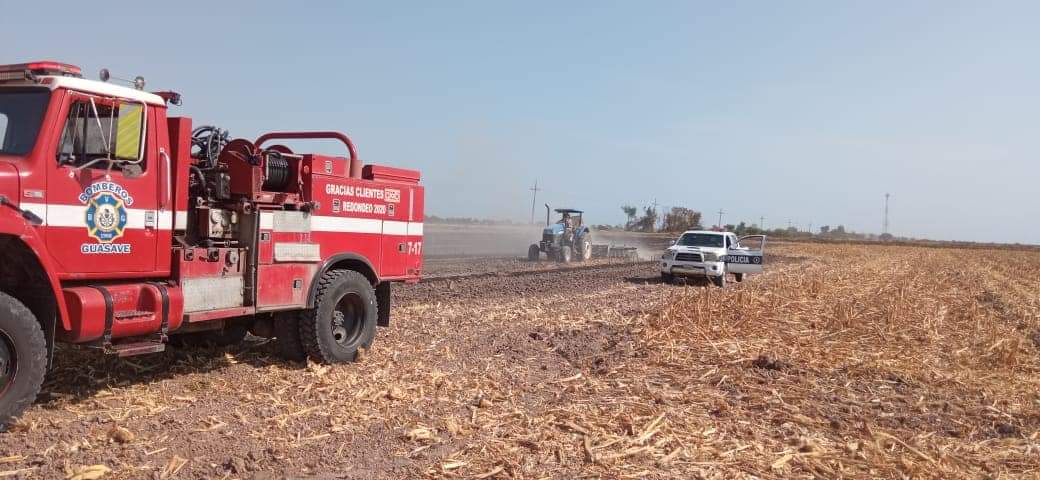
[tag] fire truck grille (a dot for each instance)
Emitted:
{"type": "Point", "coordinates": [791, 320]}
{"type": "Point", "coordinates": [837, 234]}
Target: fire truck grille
{"type": "Point", "coordinates": [688, 257]}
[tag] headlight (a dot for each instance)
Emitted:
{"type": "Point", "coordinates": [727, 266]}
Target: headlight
{"type": "Point", "coordinates": [668, 255]}
{"type": "Point", "coordinates": [711, 257]}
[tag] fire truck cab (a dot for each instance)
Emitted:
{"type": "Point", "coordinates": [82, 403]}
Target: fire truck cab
{"type": "Point", "coordinates": [124, 228]}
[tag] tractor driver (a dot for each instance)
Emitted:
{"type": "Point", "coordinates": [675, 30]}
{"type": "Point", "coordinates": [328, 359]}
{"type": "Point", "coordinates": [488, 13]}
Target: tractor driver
{"type": "Point", "coordinates": [566, 221]}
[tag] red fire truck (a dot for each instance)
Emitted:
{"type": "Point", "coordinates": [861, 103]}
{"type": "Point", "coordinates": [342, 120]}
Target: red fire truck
{"type": "Point", "coordinates": [123, 228]}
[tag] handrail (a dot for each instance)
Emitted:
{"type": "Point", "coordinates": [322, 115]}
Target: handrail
{"type": "Point", "coordinates": [355, 163]}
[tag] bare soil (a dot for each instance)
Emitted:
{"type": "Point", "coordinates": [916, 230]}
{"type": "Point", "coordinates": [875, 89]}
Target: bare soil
{"type": "Point", "coordinates": [839, 361]}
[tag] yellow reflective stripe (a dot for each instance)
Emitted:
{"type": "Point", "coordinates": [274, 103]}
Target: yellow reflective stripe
{"type": "Point", "coordinates": [128, 133]}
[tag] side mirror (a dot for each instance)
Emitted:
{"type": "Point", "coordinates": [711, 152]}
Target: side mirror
{"type": "Point", "coordinates": [671, 242]}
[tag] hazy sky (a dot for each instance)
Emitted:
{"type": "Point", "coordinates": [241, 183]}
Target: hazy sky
{"type": "Point", "coordinates": [800, 111]}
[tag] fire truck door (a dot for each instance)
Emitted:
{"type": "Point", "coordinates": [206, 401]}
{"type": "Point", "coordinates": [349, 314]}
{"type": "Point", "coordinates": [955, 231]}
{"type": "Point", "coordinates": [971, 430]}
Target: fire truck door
{"type": "Point", "coordinates": [103, 189]}
{"type": "Point", "coordinates": [746, 255]}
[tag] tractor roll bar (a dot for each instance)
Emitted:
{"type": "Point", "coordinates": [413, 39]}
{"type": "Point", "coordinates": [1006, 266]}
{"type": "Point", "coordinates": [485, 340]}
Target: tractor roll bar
{"type": "Point", "coordinates": [355, 163]}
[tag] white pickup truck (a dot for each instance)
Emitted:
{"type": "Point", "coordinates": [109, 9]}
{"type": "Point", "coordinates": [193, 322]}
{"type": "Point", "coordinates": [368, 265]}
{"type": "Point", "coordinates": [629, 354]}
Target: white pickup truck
{"type": "Point", "coordinates": [713, 255]}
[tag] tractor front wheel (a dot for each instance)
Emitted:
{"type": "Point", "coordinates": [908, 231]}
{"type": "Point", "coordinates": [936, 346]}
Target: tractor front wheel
{"type": "Point", "coordinates": [23, 358]}
{"type": "Point", "coordinates": [533, 252]}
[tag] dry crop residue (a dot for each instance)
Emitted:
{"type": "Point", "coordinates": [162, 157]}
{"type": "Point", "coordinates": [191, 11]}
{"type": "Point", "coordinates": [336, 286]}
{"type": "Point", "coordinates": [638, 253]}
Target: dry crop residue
{"type": "Point", "coordinates": [852, 361]}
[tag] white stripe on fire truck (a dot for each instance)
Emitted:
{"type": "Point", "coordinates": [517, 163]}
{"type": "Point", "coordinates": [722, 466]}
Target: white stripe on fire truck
{"type": "Point", "coordinates": [75, 216]}
{"type": "Point", "coordinates": [320, 223]}
{"type": "Point", "coordinates": [180, 221]}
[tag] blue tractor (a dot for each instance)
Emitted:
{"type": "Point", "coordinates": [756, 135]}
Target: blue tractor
{"type": "Point", "coordinates": [565, 240]}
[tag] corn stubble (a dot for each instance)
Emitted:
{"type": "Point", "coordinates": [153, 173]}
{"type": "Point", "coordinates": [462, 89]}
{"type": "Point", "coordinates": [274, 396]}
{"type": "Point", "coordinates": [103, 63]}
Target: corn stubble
{"type": "Point", "coordinates": [840, 361]}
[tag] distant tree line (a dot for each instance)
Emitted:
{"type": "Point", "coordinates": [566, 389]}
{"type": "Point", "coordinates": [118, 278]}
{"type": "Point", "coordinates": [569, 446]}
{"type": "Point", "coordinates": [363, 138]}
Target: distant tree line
{"type": "Point", "coordinates": [679, 219]}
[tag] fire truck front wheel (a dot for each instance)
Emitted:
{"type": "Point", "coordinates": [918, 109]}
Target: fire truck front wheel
{"type": "Point", "coordinates": [23, 358]}
{"type": "Point", "coordinates": [343, 319]}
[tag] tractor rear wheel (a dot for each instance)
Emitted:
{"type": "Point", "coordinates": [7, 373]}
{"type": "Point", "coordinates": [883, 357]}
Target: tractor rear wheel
{"type": "Point", "coordinates": [533, 252]}
{"type": "Point", "coordinates": [343, 319]}
{"type": "Point", "coordinates": [23, 358]}
{"type": "Point", "coordinates": [585, 250]}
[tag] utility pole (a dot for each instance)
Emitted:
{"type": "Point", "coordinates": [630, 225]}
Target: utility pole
{"type": "Point", "coordinates": [720, 218]}
{"type": "Point", "coordinates": [810, 228]}
{"type": "Point", "coordinates": [884, 225]}
{"type": "Point", "coordinates": [534, 198]}
{"type": "Point", "coordinates": [762, 223]}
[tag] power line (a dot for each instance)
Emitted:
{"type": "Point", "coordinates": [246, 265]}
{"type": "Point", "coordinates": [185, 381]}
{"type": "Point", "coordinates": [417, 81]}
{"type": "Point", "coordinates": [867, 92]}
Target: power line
{"type": "Point", "coordinates": [534, 198]}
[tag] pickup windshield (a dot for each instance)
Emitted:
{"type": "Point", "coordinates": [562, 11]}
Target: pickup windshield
{"type": "Point", "coordinates": [700, 240]}
{"type": "Point", "coordinates": [21, 113]}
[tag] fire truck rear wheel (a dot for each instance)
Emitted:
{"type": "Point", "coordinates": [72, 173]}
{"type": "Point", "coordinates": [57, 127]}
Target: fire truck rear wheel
{"type": "Point", "coordinates": [287, 336]}
{"type": "Point", "coordinates": [23, 358]}
{"type": "Point", "coordinates": [343, 319]}
{"type": "Point", "coordinates": [229, 335]}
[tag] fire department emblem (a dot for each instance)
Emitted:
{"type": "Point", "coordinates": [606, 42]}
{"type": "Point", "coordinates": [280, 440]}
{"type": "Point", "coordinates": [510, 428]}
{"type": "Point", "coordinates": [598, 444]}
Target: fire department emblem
{"type": "Point", "coordinates": [106, 217]}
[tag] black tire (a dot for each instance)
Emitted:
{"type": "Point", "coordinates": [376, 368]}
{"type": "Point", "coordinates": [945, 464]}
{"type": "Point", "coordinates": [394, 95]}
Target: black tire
{"type": "Point", "coordinates": [667, 278]}
{"type": "Point", "coordinates": [739, 277]}
{"type": "Point", "coordinates": [343, 319]}
{"type": "Point", "coordinates": [23, 354]}
{"type": "Point", "coordinates": [287, 336]}
{"type": "Point", "coordinates": [533, 253]}
{"type": "Point", "coordinates": [229, 335]}
{"type": "Point", "coordinates": [565, 253]}
{"type": "Point", "coordinates": [719, 281]}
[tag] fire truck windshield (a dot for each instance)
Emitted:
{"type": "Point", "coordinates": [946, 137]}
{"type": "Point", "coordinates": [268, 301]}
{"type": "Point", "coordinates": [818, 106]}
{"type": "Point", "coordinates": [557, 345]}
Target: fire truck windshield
{"type": "Point", "coordinates": [21, 114]}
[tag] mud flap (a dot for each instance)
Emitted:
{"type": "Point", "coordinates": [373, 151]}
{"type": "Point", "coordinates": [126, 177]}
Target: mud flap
{"type": "Point", "coordinates": [383, 304]}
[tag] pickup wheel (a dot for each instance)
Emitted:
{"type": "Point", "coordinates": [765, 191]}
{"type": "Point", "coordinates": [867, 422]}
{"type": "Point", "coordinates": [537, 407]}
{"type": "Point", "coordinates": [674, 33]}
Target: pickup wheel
{"type": "Point", "coordinates": [533, 252]}
{"type": "Point", "coordinates": [719, 281]}
{"type": "Point", "coordinates": [23, 358]}
{"type": "Point", "coordinates": [287, 336]}
{"type": "Point", "coordinates": [667, 278]}
{"type": "Point", "coordinates": [343, 319]}
{"type": "Point", "coordinates": [739, 277]}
